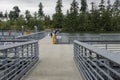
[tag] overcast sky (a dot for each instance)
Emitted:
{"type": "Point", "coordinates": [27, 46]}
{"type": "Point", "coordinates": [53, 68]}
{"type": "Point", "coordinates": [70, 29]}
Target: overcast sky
{"type": "Point", "coordinates": [32, 5]}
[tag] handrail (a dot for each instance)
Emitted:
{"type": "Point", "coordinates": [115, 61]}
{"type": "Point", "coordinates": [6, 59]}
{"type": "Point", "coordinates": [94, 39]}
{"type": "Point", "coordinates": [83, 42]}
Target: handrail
{"type": "Point", "coordinates": [16, 45]}
{"type": "Point", "coordinates": [33, 35]}
{"type": "Point", "coordinates": [14, 40]}
{"type": "Point", "coordinates": [17, 59]}
{"type": "Point", "coordinates": [90, 60]}
{"type": "Point", "coordinates": [112, 56]}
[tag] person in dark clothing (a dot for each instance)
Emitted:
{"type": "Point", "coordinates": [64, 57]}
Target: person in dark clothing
{"type": "Point", "coordinates": [56, 31]}
{"type": "Point", "coordinates": [51, 34]}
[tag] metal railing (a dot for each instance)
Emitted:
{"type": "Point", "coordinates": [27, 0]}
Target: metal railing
{"type": "Point", "coordinates": [69, 39]}
{"type": "Point", "coordinates": [96, 64]}
{"type": "Point", "coordinates": [112, 45]}
{"type": "Point", "coordinates": [34, 36]}
{"type": "Point", "coordinates": [4, 37]}
{"type": "Point", "coordinates": [17, 59]}
{"type": "Point", "coordinates": [5, 42]}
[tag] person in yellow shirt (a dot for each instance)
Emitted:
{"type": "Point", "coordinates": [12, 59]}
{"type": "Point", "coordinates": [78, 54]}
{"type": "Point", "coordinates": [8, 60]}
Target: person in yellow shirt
{"type": "Point", "coordinates": [53, 38]}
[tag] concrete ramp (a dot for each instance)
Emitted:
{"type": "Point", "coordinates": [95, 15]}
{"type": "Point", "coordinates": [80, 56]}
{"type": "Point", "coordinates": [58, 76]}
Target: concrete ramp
{"type": "Point", "coordinates": [56, 63]}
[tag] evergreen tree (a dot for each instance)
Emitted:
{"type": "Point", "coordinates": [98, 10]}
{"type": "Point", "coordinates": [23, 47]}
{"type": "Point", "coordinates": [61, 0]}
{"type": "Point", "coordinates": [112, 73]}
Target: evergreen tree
{"type": "Point", "coordinates": [27, 15]}
{"type": "Point", "coordinates": [92, 7]}
{"type": "Point", "coordinates": [35, 15]}
{"type": "Point", "coordinates": [47, 21]}
{"type": "Point", "coordinates": [109, 5]}
{"type": "Point", "coordinates": [74, 7]}
{"type": "Point", "coordinates": [16, 12]}
{"type": "Point", "coordinates": [95, 20]}
{"type": "Point", "coordinates": [116, 5]}
{"type": "Point", "coordinates": [58, 16]}
{"type": "Point", "coordinates": [71, 19]}
{"type": "Point", "coordinates": [35, 18]}
{"type": "Point", "coordinates": [102, 15]}
{"type": "Point", "coordinates": [12, 15]}
{"type": "Point", "coordinates": [59, 6]}
{"type": "Point", "coordinates": [6, 14]}
{"type": "Point", "coordinates": [40, 11]}
{"type": "Point", "coordinates": [39, 23]}
{"type": "Point", "coordinates": [68, 12]}
{"type": "Point", "coordinates": [102, 6]}
{"type": "Point", "coordinates": [83, 6]}
{"type": "Point", "coordinates": [20, 22]}
{"type": "Point", "coordinates": [1, 15]}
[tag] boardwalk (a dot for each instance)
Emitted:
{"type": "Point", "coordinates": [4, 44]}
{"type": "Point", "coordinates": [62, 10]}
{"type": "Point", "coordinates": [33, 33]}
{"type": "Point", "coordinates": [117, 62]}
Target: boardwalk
{"type": "Point", "coordinates": [56, 63]}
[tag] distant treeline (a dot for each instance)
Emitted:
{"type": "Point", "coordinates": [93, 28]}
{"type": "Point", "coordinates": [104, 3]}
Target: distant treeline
{"type": "Point", "coordinates": [101, 18]}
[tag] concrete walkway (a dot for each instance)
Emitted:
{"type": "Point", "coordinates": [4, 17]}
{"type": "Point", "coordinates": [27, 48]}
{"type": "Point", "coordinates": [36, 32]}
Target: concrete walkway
{"type": "Point", "coordinates": [56, 63]}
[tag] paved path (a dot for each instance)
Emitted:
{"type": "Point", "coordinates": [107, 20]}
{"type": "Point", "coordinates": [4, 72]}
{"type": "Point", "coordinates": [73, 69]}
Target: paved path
{"type": "Point", "coordinates": [56, 63]}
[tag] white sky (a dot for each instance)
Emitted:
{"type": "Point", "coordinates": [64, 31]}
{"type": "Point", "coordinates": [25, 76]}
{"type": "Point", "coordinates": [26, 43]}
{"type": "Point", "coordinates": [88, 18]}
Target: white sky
{"type": "Point", "coordinates": [32, 5]}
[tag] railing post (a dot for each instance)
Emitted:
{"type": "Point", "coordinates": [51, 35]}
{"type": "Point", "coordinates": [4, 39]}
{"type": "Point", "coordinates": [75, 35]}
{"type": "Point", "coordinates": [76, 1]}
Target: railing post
{"type": "Point", "coordinates": [32, 51]}
{"type": "Point", "coordinates": [5, 62]}
{"type": "Point", "coordinates": [106, 46]}
{"type": "Point", "coordinates": [27, 51]}
{"type": "Point", "coordinates": [37, 49]}
{"type": "Point", "coordinates": [108, 71]}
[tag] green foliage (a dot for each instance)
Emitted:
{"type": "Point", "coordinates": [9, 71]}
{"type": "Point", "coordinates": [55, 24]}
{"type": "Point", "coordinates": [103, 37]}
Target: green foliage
{"type": "Point", "coordinates": [101, 18]}
{"type": "Point", "coordinates": [57, 20]}
{"type": "Point", "coordinates": [74, 7]}
{"type": "Point", "coordinates": [59, 6]}
{"type": "Point", "coordinates": [47, 22]}
{"type": "Point", "coordinates": [58, 16]}
{"type": "Point", "coordinates": [1, 15]}
{"type": "Point", "coordinates": [83, 6]}
{"type": "Point", "coordinates": [40, 11]}
{"type": "Point", "coordinates": [27, 15]}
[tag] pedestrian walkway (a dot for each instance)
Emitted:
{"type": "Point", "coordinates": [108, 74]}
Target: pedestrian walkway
{"type": "Point", "coordinates": [56, 62]}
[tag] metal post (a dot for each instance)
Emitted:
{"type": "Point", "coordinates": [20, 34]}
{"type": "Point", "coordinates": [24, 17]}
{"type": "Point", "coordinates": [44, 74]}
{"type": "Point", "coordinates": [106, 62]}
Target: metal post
{"type": "Point", "coordinates": [27, 51]}
{"type": "Point", "coordinates": [5, 62]}
{"type": "Point", "coordinates": [2, 32]}
{"type": "Point", "coordinates": [31, 50]}
{"type": "Point", "coordinates": [22, 30]}
{"type": "Point", "coordinates": [106, 46]}
{"type": "Point", "coordinates": [35, 29]}
{"type": "Point", "coordinates": [22, 51]}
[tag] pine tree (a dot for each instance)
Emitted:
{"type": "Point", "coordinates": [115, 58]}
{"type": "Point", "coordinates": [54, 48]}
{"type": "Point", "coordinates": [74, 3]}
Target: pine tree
{"type": "Point", "coordinates": [116, 5]}
{"type": "Point", "coordinates": [109, 5]}
{"type": "Point", "coordinates": [71, 19]}
{"type": "Point", "coordinates": [58, 16]}
{"type": "Point", "coordinates": [59, 6]}
{"type": "Point", "coordinates": [6, 14]}
{"type": "Point", "coordinates": [47, 21]}
{"type": "Point", "coordinates": [12, 15]}
{"type": "Point", "coordinates": [1, 14]}
{"type": "Point", "coordinates": [74, 7]}
{"type": "Point", "coordinates": [101, 6]}
{"type": "Point", "coordinates": [16, 12]}
{"type": "Point", "coordinates": [40, 11]}
{"type": "Point", "coordinates": [92, 8]}
{"type": "Point", "coordinates": [83, 6]}
{"type": "Point", "coordinates": [27, 15]}
{"type": "Point", "coordinates": [35, 15]}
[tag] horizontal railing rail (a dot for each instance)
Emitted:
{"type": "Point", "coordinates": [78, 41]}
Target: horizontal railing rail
{"type": "Point", "coordinates": [101, 41]}
{"type": "Point", "coordinates": [112, 45]}
{"type": "Point", "coordinates": [7, 37]}
{"type": "Point", "coordinates": [68, 39]}
{"type": "Point", "coordinates": [14, 40]}
{"type": "Point", "coordinates": [17, 59]}
{"type": "Point", "coordinates": [34, 36]}
{"type": "Point", "coordinates": [95, 63]}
